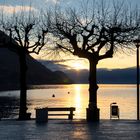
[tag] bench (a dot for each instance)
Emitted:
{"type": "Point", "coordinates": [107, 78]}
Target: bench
{"type": "Point", "coordinates": [62, 109]}
{"type": "Point", "coordinates": [43, 113]}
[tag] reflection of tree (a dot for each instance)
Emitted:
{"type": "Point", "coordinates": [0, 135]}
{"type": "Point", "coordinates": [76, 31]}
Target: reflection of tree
{"type": "Point", "coordinates": [25, 36]}
{"type": "Point", "coordinates": [93, 34]}
{"type": "Point", "coordinates": [8, 105]}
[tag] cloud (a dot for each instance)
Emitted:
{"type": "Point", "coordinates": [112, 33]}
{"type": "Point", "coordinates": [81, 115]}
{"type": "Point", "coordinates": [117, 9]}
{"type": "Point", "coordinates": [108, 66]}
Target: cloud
{"type": "Point", "coordinates": [63, 60]}
{"type": "Point", "coordinates": [52, 1]}
{"type": "Point", "coordinates": [15, 9]}
{"type": "Point", "coordinates": [54, 66]}
{"type": "Point", "coordinates": [63, 64]}
{"type": "Point", "coordinates": [63, 3]}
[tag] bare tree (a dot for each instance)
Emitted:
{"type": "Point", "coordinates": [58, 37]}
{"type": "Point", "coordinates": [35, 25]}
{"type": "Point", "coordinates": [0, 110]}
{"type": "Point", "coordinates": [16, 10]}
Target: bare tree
{"type": "Point", "coordinates": [26, 36]}
{"type": "Point", "coordinates": [95, 33]}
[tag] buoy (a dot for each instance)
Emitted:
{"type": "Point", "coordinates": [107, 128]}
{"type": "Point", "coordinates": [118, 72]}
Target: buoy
{"type": "Point", "coordinates": [53, 95]}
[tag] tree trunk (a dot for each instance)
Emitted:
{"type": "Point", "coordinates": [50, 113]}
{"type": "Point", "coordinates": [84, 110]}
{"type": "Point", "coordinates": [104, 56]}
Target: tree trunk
{"type": "Point", "coordinates": [23, 115]}
{"type": "Point", "coordinates": [92, 85]}
{"type": "Point", "coordinates": [92, 110]}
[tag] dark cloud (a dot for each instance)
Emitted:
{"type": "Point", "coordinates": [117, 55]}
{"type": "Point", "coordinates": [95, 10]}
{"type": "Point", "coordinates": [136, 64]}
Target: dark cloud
{"type": "Point", "coordinates": [65, 60]}
{"type": "Point", "coordinates": [54, 66]}
{"type": "Point", "coordinates": [15, 2]}
{"type": "Point", "coordinates": [42, 4]}
{"type": "Point", "coordinates": [33, 3]}
{"type": "Point", "coordinates": [58, 64]}
{"type": "Point", "coordinates": [60, 61]}
{"type": "Point", "coordinates": [63, 3]}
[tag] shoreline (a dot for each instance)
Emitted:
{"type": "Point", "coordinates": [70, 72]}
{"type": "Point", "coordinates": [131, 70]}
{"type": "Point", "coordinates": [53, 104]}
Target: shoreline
{"type": "Point", "coordinates": [30, 87]}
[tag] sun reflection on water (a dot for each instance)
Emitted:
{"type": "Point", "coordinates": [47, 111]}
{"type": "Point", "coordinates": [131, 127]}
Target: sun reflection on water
{"type": "Point", "coordinates": [78, 99]}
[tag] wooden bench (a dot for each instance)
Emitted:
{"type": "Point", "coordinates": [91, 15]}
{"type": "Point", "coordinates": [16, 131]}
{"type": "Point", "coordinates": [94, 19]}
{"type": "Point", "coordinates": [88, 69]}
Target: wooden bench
{"type": "Point", "coordinates": [61, 109]}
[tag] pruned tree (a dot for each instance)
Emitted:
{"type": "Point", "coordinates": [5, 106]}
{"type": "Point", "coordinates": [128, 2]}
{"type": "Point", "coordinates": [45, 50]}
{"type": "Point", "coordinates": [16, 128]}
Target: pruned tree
{"type": "Point", "coordinates": [26, 36]}
{"type": "Point", "coordinates": [95, 33]}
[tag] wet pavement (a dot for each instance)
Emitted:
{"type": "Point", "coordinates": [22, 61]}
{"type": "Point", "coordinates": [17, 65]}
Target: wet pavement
{"type": "Point", "coordinates": [70, 130]}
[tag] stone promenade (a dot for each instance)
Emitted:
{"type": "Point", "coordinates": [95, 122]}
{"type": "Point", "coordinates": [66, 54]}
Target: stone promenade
{"type": "Point", "coordinates": [70, 130]}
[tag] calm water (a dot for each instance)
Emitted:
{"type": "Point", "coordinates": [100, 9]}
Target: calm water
{"type": "Point", "coordinates": [124, 95]}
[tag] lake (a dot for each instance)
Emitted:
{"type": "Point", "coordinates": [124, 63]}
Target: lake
{"type": "Point", "coordinates": [76, 95]}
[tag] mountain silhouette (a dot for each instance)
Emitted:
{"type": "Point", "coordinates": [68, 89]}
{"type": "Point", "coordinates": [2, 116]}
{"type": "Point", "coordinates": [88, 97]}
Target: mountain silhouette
{"type": "Point", "coordinates": [37, 74]}
{"type": "Point", "coordinates": [104, 76]}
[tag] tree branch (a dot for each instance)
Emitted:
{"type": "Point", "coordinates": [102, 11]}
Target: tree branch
{"type": "Point", "coordinates": [18, 34]}
{"type": "Point", "coordinates": [109, 53]}
{"type": "Point", "coordinates": [62, 47]}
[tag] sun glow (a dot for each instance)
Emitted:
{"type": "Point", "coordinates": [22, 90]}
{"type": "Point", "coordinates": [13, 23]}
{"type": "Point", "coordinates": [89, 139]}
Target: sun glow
{"type": "Point", "coordinates": [77, 66]}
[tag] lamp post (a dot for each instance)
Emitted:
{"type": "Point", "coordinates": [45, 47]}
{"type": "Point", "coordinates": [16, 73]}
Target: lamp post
{"type": "Point", "coordinates": [137, 43]}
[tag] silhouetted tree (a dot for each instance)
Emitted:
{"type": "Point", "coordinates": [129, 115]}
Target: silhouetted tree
{"type": "Point", "coordinates": [93, 33]}
{"type": "Point", "coordinates": [26, 36]}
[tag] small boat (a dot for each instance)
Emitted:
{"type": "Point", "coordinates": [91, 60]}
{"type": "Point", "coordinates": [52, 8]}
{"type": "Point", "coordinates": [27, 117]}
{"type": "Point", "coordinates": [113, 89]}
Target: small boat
{"type": "Point", "coordinates": [53, 95]}
{"type": "Point", "coordinates": [68, 92]}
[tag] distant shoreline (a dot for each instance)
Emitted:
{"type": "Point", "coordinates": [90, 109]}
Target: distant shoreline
{"type": "Point", "coordinates": [46, 86]}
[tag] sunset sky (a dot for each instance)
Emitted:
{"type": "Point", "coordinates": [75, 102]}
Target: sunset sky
{"type": "Point", "coordinates": [119, 60]}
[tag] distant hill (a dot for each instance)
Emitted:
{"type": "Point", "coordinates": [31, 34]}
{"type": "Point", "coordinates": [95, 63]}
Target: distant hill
{"type": "Point", "coordinates": [37, 73]}
{"type": "Point", "coordinates": [106, 76]}
{"type": "Point", "coordinates": [117, 76]}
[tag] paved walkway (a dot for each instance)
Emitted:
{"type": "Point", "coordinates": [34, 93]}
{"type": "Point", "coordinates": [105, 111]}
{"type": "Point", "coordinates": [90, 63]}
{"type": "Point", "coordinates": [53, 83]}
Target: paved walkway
{"type": "Point", "coordinates": [70, 130]}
